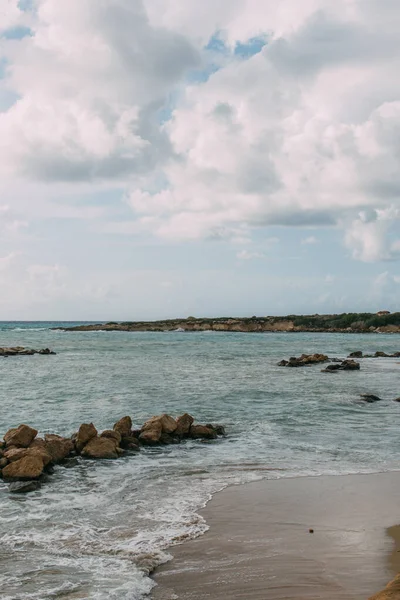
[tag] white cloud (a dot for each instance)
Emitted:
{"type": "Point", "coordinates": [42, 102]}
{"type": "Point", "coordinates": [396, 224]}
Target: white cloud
{"type": "Point", "coordinates": [304, 133]}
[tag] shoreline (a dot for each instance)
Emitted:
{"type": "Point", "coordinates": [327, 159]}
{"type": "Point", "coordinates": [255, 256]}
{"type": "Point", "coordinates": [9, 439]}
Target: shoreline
{"type": "Point", "coordinates": [383, 322]}
{"type": "Point", "coordinates": [258, 544]}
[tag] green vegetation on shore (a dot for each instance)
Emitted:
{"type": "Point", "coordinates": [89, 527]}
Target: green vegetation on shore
{"type": "Point", "coordinates": [346, 322]}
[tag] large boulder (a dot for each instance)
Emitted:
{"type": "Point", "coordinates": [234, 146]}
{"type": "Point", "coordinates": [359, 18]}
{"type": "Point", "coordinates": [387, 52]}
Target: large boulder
{"type": "Point", "coordinates": [99, 447]}
{"type": "Point", "coordinates": [113, 435]}
{"type": "Point", "coordinates": [124, 426]}
{"type": "Point", "coordinates": [28, 467]}
{"type": "Point", "coordinates": [153, 429]}
{"type": "Point", "coordinates": [183, 425]}
{"type": "Point", "coordinates": [86, 432]}
{"type": "Point", "coordinates": [202, 432]}
{"type": "Point", "coordinates": [168, 424]}
{"type": "Point", "coordinates": [130, 443]}
{"type": "Point", "coordinates": [21, 437]}
{"type": "Point", "coordinates": [58, 447]}
{"type": "Point", "coordinates": [15, 454]}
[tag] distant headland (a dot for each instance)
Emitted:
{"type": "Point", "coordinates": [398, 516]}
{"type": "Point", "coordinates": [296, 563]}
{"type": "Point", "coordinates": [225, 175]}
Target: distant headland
{"type": "Point", "coordinates": [381, 322]}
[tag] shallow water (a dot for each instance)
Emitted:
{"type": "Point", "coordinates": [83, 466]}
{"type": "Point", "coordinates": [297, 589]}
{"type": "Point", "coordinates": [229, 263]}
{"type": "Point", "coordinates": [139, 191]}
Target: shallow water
{"type": "Point", "coordinates": [96, 530]}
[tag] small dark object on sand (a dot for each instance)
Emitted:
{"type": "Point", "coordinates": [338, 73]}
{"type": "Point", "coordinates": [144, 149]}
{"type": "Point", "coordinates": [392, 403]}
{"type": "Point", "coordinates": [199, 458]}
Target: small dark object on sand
{"type": "Point", "coordinates": [311, 531]}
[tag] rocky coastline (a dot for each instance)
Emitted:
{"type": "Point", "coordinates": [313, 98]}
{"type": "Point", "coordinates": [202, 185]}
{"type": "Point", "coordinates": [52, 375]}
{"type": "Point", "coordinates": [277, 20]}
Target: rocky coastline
{"type": "Point", "coordinates": [343, 323]}
{"type": "Point", "coordinates": [25, 459]}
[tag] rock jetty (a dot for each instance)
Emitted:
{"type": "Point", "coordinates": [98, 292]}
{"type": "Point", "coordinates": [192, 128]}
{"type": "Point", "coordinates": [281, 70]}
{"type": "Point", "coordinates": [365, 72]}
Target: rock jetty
{"type": "Point", "coordinates": [25, 458]}
{"type": "Point", "coordinates": [342, 323]}
{"type": "Point", "coordinates": [21, 351]}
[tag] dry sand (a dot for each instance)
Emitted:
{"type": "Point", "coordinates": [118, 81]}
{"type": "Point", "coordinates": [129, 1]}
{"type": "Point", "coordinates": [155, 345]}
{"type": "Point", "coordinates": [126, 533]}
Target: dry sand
{"type": "Point", "coordinates": [259, 546]}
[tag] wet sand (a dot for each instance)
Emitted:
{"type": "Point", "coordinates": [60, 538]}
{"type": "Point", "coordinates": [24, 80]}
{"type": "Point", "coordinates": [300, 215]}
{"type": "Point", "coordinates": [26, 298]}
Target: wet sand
{"type": "Point", "coordinates": [259, 545]}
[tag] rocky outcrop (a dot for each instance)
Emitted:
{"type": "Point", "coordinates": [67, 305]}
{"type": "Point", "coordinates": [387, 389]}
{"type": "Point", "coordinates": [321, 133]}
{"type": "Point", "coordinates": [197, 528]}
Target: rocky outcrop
{"type": "Point", "coordinates": [304, 360]}
{"type": "Point", "coordinates": [345, 365]}
{"type": "Point", "coordinates": [202, 432]}
{"type": "Point", "coordinates": [21, 351]}
{"type": "Point", "coordinates": [24, 457]}
{"type": "Point", "coordinates": [343, 323]}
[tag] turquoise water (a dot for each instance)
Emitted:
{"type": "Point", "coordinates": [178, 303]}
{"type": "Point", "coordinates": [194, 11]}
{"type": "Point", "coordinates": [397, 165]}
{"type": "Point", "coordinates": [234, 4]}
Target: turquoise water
{"type": "Point", "coordinates": [96, 530]}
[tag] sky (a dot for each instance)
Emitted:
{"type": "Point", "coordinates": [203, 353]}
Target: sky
{"type": "Point", "coordinates": [161, 158]}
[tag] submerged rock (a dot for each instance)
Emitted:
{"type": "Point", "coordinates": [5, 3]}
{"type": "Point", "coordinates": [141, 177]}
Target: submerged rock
{"type": "Point", "coordinates": [345, 365]}
{"type": "Point", "coordinates": [23, 487]}
{"type": "Point", "coordinates": [202, 432]}
{"type": "Point", "coordinates": [370, 398]}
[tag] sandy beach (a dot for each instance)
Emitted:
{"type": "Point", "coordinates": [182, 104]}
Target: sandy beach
{"type": "Point", "coordinates": [309, 538]}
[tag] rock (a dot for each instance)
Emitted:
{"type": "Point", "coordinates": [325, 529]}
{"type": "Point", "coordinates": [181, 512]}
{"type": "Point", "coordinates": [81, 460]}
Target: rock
{"type": "Point", "coordinates": [58, 447]}
{"type": "Point", "coordinates": [379, 354]}
{"type": "Point", "coordinates": [345, 365]}
{"type": "Point", "coordinates": [100, 448]}
{"type": "Point", "coordinates": [219, 429]}
{"type": "Point", "coordinates": [68, 463]}
{"type": "Point", "coordinates": [202, 432]}
{"type": "Point", "coordinates": [21, 437]}
{"type": "Point", "coordinates": [130, 443]}
{"type": "Point", "coordinates": [124, 426]}
{"type": "Point", "coordinates": [14, 454]}
{"type": "Point", "coordinates": [3, 463]}
{"type": "Point", "coordinates": [168, 424]}
{"type": "Point", "coordinates": [356, 354]}
{"type": "Point", "coordinates": [151, 431]}
{"type": "Point", "coordinates": [183, 424]}
{"type": "Point", "coordinates": [28, 467]}
{"type": "Point", "coordinates": [85, 434]}
{"type": "Point", "coordinates": [350, 365]}
{"type": "Point", "coordinates": [23, 487]}
{"type": "Point", "coordinates": [370, 398]}
{"type": "Point", "coordinates": [303, 360]}
{"type": "Point", "coordinates": [168, 439]}
{"type": "Point", "coordinates": [112, 434]}
{"type": "Point", "coordinates": [331, 368]}
{"type": "Point", "coordinates": [397, 400]}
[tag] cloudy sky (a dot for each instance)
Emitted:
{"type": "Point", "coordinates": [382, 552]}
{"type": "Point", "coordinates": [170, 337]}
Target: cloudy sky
{"type": "Point", "coordinates": [162, 158]}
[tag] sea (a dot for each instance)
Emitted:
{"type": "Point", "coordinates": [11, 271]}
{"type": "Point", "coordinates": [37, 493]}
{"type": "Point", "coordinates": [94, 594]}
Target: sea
{"type": "Point", "coordinates": [97, 530]}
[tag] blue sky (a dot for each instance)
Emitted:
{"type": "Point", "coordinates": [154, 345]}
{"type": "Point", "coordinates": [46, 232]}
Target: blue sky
{"type": "Point", "coordinates": [160, 160]}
